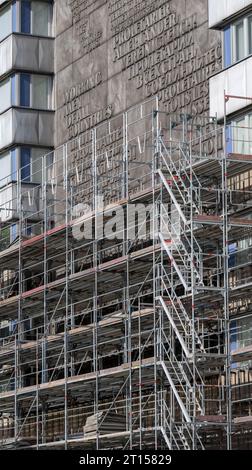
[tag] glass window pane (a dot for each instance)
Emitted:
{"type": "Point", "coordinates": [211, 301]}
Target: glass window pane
{"type": "Point", "coordinates": [239, 40]}
{"type": "Point", "coordinates": [13, 90]}
{"type": "Point", "coordinates": [250, 133]}
{"type": "Point", "coordinates": [25, 17]}
{"type": "Point", "coordinates": [227, 46]}
{"type": "Point", "coordinates": [37, 164]}
{"type": "Point", "coordinates": [250, 34]}
{"type": "Point", "coordinates": [240, 136]}
{"type": "Point", "coordinates": [229, 139]}
{"type": "Point", "coordinates": [25, 81]}
{"type": "Point", "coordinates": [5, 22]}
{"type": "Point", "coordinates": [25, 164]}
{"type": "Point", "coordinates": [14, 232]}
{"type": "Point", "coordinates": [40, 92]}
{"type": "Point", "coordinates": [41, 18]}
{"type": "Point", "coordinates": [13, 155]}
{"type": "Point", "coordinates": [5, 95]}
{"type": "Point", "coordinates": [14, 17]}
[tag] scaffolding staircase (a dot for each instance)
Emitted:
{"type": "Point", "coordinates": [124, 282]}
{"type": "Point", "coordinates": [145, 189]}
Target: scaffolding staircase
{"type": "Point", "coordinates": [182, 266]}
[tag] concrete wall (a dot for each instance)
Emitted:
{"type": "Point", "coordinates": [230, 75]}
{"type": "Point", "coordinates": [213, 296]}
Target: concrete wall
{"type": "Point", "coordinates": [220, 10]}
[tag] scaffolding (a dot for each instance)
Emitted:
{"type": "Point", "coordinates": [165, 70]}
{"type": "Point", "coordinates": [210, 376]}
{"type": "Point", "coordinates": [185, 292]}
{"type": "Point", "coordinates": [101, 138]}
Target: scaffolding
{"type": "Point", "coordinates": [119, 290]}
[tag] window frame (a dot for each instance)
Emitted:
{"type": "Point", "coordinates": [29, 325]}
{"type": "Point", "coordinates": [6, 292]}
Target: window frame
{"type": "Point", "coordinates": [10, 80]}
{"type": "Point", "coordinates": [18, 87]}
{"type": "Point", "coordinates": [229, 40]}
{"type": "Point", "coordinates": [4, 9]}
{"type": "Point", "coordinates": [16, 19]}
{"type": "Point", "coordinates": [235, 48]}
{"type": "Point", "coordinates": [35, 162]}
{"type": "Point", "coordinates": [247, 118]}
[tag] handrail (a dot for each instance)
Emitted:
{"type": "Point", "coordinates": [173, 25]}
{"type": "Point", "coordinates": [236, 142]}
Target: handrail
{"type": "Point", "coordinates": [178, 301]}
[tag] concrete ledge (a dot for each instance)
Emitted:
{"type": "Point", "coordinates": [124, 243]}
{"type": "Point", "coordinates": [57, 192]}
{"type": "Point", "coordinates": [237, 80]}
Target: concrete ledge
{"type": "Point", "coordinates": [29, 53]}
{"type": "Point", "coordinates": [26, 126]}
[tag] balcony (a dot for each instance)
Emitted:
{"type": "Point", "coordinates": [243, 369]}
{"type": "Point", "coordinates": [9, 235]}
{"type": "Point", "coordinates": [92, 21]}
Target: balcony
{"type": "Point", "coordinates": [30, 53]}
{"type": "Point", "coordinates": [235, 80]}
{"type": "Point", "coordinates": [219, 11]}
{"type": "Point", "coordinates": [27, 127]}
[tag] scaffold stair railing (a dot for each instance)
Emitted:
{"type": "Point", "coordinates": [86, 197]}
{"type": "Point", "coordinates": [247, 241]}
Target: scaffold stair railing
{"type": "Point", "coordinates": [178, 316]}
{"type": "Point", "coordinates": [184, 396]}
{"type": "Point", "coordinates": [178, 246]}
{"type": "Point", "coordinates": [177, 436]}
{"type": "Point", "coordinates": [185, 268]}
{"type": "Point", "coordinates": [182, 377]}
{"type": "Point", "coordinates": [178, 178]}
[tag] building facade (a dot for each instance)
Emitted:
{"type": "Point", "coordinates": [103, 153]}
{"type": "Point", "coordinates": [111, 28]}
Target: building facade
{"type": "Point", "coordinates": [125, 208]}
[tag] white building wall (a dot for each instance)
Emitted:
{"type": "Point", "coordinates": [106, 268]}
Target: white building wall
{"type": "Point", "coordinates": [236, 80]}
{"type": "Point", "coordinates": [219, 10]}
{"type": "Point", "coordinates": [6, 56]}
{"type": "Point", "coordinates": [6, 136]}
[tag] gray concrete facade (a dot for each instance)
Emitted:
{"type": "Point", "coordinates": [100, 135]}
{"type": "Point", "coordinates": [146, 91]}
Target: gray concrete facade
{"type": "Point", "coordinates": [111, 55]}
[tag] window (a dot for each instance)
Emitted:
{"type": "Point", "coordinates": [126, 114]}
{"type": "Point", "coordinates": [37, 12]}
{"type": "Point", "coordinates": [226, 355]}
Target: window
{"type": "Point", "coordinates": [36, 91]}
{"type": "Point", "coordinates": [25, 164]}
{"type": "Point", "coordinates": [13, 232]}
{"type": "Point", "coordinates": [5, 165]}
{"type": "Point", "coordinates": [229, 139]}
{"type": "Point", "coordinates": [41, 92]}
{"type": "Point", "coordinates": [28, 17]}
{"type": "Point", "coordinates": [240, 142]}
{"type": "Point", "coordinates": [36, 17]}
{"type": "Point", "coordinates": [8, 166]}
{"type": "Point", "coordinates": [25, 89]}
{"type": "Point", "coordinates": [5, 95]}
{"type": "Point", "coordinates": [244, 335]}
{"type": "Point", "coordinates": [5, 22]}
{"type": "Point", "coordinates": [26, 159]}
{"type": "Point", "coordinates": [250, 34]}
{"type": "Point", "coordinates": [25, 17]}
{"type": "Point", "coordinates": [30, 91]}
{"type": "Point", "coordinates": [237, 41]}
{"type": "Point", "coordinates": [227, 48]}
{"type": "Point", "coordinates": [33, 91]}
{"type": "Point", "coordinates": [31, 164]}
{"type": "Point", "coordinates": [42, 18]}
{"type": "Point", "coordinates": [36, 165]}
{"type": "Point", "coordinates": [239, 138]}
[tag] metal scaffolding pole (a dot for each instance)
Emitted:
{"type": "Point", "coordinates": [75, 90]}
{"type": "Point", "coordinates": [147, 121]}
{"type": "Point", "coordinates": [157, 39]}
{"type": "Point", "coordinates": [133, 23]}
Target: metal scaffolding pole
{"type": "Point", "coordinates": [128, 343]}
